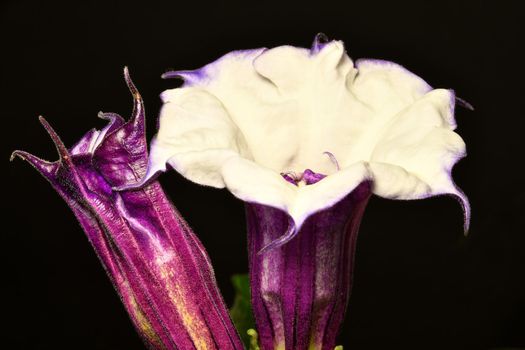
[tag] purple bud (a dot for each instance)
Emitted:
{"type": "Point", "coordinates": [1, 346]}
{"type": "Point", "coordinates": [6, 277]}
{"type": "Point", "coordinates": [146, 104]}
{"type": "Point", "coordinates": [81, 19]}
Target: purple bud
{"type": "Point", "coordinates": [156, 263]}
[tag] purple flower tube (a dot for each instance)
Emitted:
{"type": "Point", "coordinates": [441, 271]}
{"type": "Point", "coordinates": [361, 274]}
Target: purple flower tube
{"type": "Point", "coordinates": [156, 263]}
{"type": "Point", "coordinates": [300, 289]}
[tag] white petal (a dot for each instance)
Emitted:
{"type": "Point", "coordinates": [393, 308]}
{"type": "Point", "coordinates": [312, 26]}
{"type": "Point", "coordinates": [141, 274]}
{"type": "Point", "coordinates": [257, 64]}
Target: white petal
{"type": "Point", "coordinates": [383, 83]}
{"type": "Point", "coordinates": [253, 183]}
{"type": "Point", "coordinates": [245, 118]}
{"type": "Point", "coordinates": [420, 140]}
{"type": "Point", "coordinates": [196, 136]}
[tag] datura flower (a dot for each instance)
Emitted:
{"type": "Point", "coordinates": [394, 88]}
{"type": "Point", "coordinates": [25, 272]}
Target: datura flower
{"type": "Point", "coordinates": [157, 265]}
{"type": "Point", "coordinates": [304, 137]}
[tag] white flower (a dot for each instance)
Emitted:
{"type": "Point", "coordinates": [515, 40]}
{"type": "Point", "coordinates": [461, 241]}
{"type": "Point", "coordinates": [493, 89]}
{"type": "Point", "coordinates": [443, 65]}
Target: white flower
{"type": "Point", "coordinates": [243, 120]}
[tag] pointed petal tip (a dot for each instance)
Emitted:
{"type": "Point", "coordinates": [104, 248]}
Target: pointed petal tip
{"type": "Point", "coordinates": [176, 74]}
{"type": "Point", "coordinates": [131, 86]}
{"type": "Point", "coordinates": [137, 116]}
{"type": "Point", "coordinates": [63, 153]}
{"type": "Point", "coordinates": [333, 159]}
{"type": "Point", "coordinates": [466, 225]}
{"type": "Point", "coordinates": [15, 154]}
{"type": "Point", "coordinates": [25, 156]}
{"type": "Point", "coordinates": [465, 104]}
{"type": "Point", "coordinates": [465, 206]}
{"type": "Point", "coordinates": [320, 40]}
{"type": "Point", "coordinates": [280, 241]}
{"type": "Point", "coordinates": [105, 115]}
{"type": "Point", "coordinates": [171, 74]}
{"type": "Point", "coordinates": [466, 216]}
{"type": "Point", "coordinates": [41, 165]}
{"type": "Point", "coordinates": [111, 117]}
{"type": "Point", "coordinates": [184, 75]}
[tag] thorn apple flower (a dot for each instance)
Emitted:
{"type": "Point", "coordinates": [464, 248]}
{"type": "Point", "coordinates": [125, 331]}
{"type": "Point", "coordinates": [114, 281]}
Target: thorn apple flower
{"type": "Point", "coordinates": [156, 263]}
{"type": "Point", "coordinates": [304, 137]}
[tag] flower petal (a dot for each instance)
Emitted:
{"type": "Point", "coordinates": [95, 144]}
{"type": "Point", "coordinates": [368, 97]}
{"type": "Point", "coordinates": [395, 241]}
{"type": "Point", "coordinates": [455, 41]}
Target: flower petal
{"type": "Point", "coordinates": [255, 112]}
{"type": "Point", "coordinates": [383, 84]}
{"type": "Point", "coordinates": [417, 151]}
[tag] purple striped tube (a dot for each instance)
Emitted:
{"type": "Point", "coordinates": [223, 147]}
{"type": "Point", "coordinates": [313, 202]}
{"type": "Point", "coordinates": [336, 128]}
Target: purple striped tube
{"type": "Point", "coordinates": [156, 263]}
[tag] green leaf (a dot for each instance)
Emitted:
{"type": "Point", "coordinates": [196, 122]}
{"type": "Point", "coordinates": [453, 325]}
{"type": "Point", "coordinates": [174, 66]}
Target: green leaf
{"type": "Point", "coordinates": [241, 311]}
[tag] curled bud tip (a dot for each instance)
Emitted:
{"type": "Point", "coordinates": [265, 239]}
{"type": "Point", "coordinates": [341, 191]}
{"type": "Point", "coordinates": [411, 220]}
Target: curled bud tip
{"type": "Point", "coordinates": [24, 156]}
{"type": "Point", "coordinates": [14, 155]}
{"type": "Point", "coordinates": [131, 86]}
{"type": "Point", "coordinates": [43, 166]}
{"type": "Point", "coordinates": [61, 148]}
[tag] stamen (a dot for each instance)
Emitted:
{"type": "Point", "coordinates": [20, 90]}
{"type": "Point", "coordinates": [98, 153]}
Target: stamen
{"type": "Point", "coordinates": [333, 159]}
{"type": "Point", "coordinates": [291, 177]}
{"type": "Point", "coordinates": [309, 177]}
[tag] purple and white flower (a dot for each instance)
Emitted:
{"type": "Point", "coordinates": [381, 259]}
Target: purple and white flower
{"type": "Point", "coordinates": [304, 137]}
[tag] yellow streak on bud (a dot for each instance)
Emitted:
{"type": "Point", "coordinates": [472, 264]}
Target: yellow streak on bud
{"type": "Point", "coordinates": [196, 328]}
{"type": "Point", "coordinates": [138, 315]}
{"type": "Point", "coordinates": [143, 323]}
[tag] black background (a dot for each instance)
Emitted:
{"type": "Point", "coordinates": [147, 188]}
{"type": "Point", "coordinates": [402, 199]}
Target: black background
{"type": "Point", "coordinates": [419, 284]}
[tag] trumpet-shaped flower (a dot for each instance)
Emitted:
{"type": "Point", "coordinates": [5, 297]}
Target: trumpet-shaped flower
{"type": "Point", "coordinates": [156, 263]}
{"type": "Point", "coordinates": [245, 119]}
{"type": "Point", "coordinates": [304, 137]}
